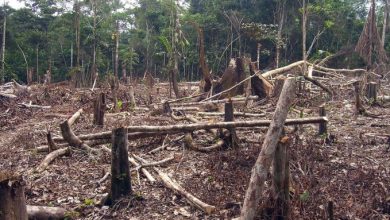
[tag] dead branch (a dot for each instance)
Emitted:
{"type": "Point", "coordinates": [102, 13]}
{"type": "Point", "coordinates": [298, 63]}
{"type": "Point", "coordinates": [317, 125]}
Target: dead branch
{"type": "Point", "coordinates": [317, 83]}
{"type": "Point", "coordinates": [173, 185]}
{"type": "Point", "coordinates": [237, 99]}
{"type": "Point", "coordinates": [147, 174]}
{"type": "Point", "coordinates": [24, 105]}
{"type": "Point", "coordinates": [157, 163]}
{"type": "Point", "coordinates": [52, 156]}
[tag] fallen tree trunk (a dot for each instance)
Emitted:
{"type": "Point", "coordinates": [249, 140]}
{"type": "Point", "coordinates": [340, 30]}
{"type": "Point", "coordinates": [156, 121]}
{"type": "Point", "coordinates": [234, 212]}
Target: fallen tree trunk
{"type": "Point", "coordinates": [239, 114]}
{"type": "Point", "coordinates": [75, 116]}
{"type": "Point", "coordinates": [52, 156]}
{"type": "Point", "coordinates": [173, 185]}
{"type": "Point", "coordinates": [281, 70]}
{"type": "Point", "coordinates": [45, 212]}
{"type": "Point", "coordinates": [240, 99]}
{"type": "Point", "coordinates": [317, 83]}
{"type": "Point", "coordinates": [200, 126]}
{"type": "Point", "coordinates": [264, 160]}
{"type": "Point", "coordinates": [152, 131]}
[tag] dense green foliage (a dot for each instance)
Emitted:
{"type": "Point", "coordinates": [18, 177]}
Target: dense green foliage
{"type": "Point", "coordinates": [45, 32]}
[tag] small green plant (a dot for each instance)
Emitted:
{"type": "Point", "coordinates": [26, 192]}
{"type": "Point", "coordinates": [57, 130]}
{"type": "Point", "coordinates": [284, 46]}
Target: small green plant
{"type": "Point", "coordinates": [119, 104]}
{"type": "Point", "coordinates": [89, 202]}
{"type": "Point", "coordinates": [304, 196]}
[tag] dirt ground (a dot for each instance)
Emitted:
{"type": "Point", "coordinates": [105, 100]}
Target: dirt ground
{"type": "Point", "coordinates": [349, 166]}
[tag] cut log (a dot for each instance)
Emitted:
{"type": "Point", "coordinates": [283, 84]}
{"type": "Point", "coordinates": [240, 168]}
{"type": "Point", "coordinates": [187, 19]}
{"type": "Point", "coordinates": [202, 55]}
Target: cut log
{"type": "Point", "coordinates": [75, 116]}
{"type": "Point", "coordinates": [45, 212]}
{"type": "Point", "coordinates": [173, 185]}
{"type": "Point", "coordinates": [99, 108]}
{"type": "Point", "coordinates": [120, 171]}
{"type": "Point", "coordinates": [281, 70]}
{"type": "Point", "coordinates": [264, 160]}
{"type": "Point", "coordinates": [236, 114]}
{"type": "Point", "coordinates": [13, 202]}
{"type": "Point", "coordinates": [52, 156]}
{"type": "Point", "coordinates": [201, 126]}
{"type": "Point", "coordinates": [50, 142]}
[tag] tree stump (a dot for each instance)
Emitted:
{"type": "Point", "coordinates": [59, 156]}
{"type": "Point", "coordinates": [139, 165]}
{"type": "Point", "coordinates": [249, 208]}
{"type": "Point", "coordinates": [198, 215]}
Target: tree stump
{"type": "Point", "coordinates": [231, 138]}
{"type": "Point", "coordinates": [12, 202]}
{"type": "Point", "coordinates": [132, 98]}
{"type": "Point", "coordinates": [358, 102]}
{"type": "Point", "coordinates": [322, 126]}
{"type": "Point", "coordinates": [120, 171]}
{"type": "Point", "coordinates": [281, 179]}
{"type": "Point", "coordinates": [371, 91]}
{"type": "Point", "coordinates": [99, 109]}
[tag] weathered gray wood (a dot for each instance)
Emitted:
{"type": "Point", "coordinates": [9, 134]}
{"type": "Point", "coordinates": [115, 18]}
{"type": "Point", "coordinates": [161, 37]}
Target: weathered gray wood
{"type": "Point", "coordinates": [264, 160]}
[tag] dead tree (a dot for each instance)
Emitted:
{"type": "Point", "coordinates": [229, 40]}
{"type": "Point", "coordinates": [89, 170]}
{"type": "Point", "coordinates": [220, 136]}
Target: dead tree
{"type": "Point", "coordinates": [13, 202]}
{"type": "Point", "coordinates": [260, 86]}
{"type": "Point", "coordinates": [120, 171]}
{"type": "Point", "coordinates": [264, 160]}
{"type": "Point", "coordinates": [232, 75]}
{"type": "Point", "coordinates": [99, 107]}
{"type": "Point", "coordinates": [369, 40]}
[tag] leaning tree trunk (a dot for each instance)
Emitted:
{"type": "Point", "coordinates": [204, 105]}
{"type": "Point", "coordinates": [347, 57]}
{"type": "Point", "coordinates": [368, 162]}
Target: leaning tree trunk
{"type": "Point", "coordinates": [264, 160]}
{"type": "Point", "coordinates": [12, 202]}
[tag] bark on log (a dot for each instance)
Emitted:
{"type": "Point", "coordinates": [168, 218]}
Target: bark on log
{"type": "Point", "coordinates": [46, 213]}
{"type": "Point", "coordinates": [52, 156]}
{"type": "Point", "coordinates": [173, 185]}
{"type": "Point", "coordinates": [279, 81]}
{"type": "Point", "coordinates": [120, 171]}
{"type": "Point", "coordinates": [264, 160]}
{"type": "Point", "coordinates": [260, 86]}
{"type": "Point", "coordinates": [99, 108]}
{"type": "Point", "coordinates": [13, 202]}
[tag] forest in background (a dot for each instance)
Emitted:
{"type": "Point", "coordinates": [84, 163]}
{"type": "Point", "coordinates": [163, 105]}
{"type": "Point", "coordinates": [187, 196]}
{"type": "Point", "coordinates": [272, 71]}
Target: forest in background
{"type": "Point", "coordinates": [45, 35]}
